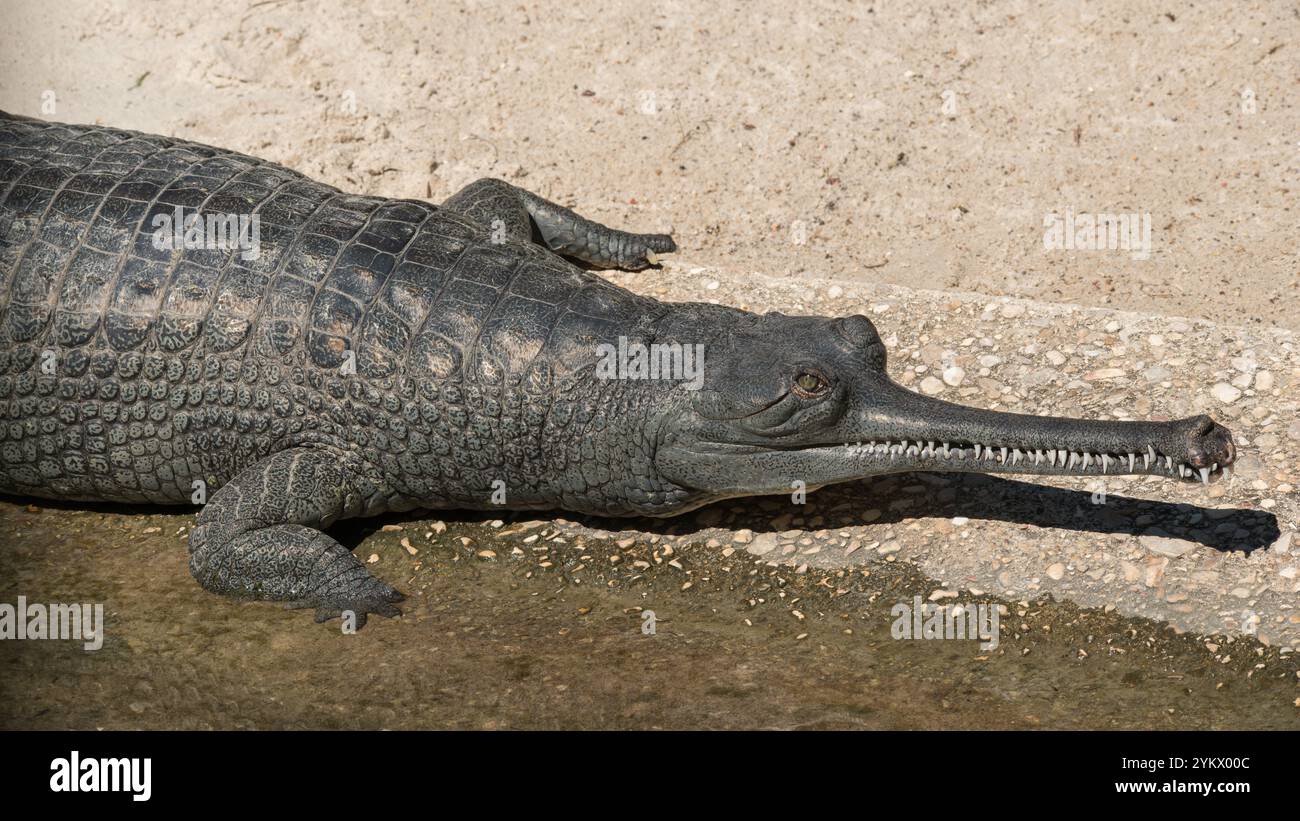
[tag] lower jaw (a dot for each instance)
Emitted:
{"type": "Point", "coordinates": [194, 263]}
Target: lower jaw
{"type": "Point", "coordinates": [895, 457]}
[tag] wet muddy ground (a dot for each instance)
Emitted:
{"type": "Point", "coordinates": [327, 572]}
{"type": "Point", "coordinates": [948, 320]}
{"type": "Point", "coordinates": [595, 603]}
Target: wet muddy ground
{"type": "Point", "coordinates": [515, 623]}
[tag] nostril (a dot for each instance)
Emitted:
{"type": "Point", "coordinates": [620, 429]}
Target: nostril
{"type": "Point", "coordinates": [1208, 443]}
{"type": "Point", "coordinates": [1202, 425]}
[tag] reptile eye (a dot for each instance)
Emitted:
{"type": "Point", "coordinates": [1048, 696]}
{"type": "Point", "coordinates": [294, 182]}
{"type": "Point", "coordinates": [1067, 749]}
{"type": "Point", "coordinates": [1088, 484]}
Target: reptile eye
{"type": "Point", "coordinates": [808, 384]}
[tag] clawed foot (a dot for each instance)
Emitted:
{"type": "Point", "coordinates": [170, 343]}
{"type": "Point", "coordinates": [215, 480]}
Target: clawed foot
{"type": "Point", "coordinates": [377, 598]}
{"type": "Point", "coordinates": [645, 249]}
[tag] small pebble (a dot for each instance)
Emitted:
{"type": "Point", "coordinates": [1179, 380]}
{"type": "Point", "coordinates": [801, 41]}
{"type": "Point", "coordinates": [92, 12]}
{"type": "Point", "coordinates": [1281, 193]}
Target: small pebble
{"type": "Point", "coordinates": [1225, 393]}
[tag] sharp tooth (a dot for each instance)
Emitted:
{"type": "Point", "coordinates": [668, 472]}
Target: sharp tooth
{"type": "Point", "coordinates": [1051, 457]}
{"type": "Point", "coordinates": [1015, 456]}
{"type": "Point", "coordinates": [945, 450]}
{"type": "Point", "coordinates": [1131, 460]}
{"type": "Point", "coordinates": [1105, 462]}
{"type": "Point", "coordinates": [1074, 457]}
{"type": "Point", "coordinates": [1038, 457]}
{"type": "Point", "coordinates": [1003, 457]}
{"type": "Point", "coordinates": [978, 448]}
{"type": "Point", "coordinates": [1205, 476]}
{"type": "Point", "coordinates": [1146, 461]}
{"type": "Point", "coordinates": [1087, 460]}
{"type": "Point", "coordinates": [1169, 464]}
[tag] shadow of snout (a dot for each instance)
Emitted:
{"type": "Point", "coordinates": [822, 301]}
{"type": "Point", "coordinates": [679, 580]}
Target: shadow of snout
{"type": "Point", "coordinates": [979, 496]}
{"type": "Point", "coordinates": [905, 497]}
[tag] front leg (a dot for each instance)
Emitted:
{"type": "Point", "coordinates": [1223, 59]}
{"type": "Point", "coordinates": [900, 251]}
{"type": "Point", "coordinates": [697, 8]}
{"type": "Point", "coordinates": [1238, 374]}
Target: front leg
{"type": "Point", "coordinates": [517, 212]}
{"type": "Point", "coordinates": [259, 536]}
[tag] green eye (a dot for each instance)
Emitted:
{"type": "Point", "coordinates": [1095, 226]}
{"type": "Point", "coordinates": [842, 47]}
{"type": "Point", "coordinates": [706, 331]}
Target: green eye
{"type": "Point", "coordinates": [809, 383]}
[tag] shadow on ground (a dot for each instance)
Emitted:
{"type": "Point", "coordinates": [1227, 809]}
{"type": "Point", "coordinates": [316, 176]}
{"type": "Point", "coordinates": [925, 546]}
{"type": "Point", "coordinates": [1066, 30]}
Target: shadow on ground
{"type": "Point", "coordinates": [974, 496]}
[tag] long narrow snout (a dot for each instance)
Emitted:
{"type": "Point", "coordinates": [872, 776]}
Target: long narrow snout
{"type": "Point", "coordinates": [905, 430]}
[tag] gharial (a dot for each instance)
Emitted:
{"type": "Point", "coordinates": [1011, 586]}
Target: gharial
{"type": "Point", "coordinates": [379, 355]}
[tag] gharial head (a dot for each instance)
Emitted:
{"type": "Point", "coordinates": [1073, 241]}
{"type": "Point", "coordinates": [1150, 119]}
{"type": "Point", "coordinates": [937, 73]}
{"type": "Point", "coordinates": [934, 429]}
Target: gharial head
{"type": "Point", "coordinates": [787, 399]}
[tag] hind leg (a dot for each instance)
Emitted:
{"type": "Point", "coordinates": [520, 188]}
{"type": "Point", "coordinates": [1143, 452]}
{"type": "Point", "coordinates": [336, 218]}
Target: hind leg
{"type": "Point", "coordinates": [522, 215]}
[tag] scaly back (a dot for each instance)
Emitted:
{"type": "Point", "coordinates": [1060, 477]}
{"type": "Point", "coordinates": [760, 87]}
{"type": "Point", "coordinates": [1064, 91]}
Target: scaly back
{"type": "Point", "coordinates": [393, 287]}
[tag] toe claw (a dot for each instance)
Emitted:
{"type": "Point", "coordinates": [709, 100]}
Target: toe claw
{"type": "Point", "coordinates": [324, 614]}
{"type": "Point", "coordinates": [381, 601]}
